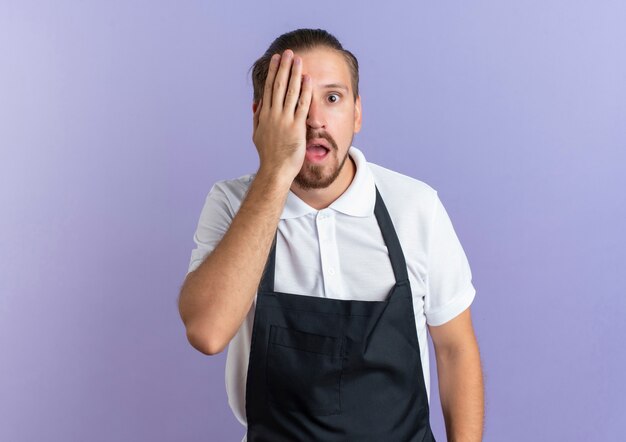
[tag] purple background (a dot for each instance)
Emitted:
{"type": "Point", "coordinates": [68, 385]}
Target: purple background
{"type": "Point", "coordinates": [117, 117]}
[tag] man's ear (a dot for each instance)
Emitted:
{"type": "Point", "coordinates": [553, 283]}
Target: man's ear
{"type": "Point", "coordinates": [357, 114]}
{"type": "Point", "coordinates": [255, 104]}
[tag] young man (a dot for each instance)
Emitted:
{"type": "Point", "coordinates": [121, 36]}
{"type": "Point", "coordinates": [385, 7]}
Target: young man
{"type": "Point", "coordinates": [321, 271]}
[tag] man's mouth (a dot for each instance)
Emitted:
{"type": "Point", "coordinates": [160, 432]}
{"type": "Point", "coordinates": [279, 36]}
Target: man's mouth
{"type": "Point", "coordinates": [317, 145]}
{"type": "Point", "coordinates": [317, 150]}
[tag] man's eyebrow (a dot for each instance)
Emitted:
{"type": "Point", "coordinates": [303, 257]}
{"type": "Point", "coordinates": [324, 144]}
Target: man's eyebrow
{"type": "Point", "coordinates": [336, 86]}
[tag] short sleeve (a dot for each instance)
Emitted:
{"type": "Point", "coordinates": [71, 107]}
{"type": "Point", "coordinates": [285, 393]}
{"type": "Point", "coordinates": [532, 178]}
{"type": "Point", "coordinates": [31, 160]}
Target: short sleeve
{"type": "Point", "coordinates": [450, 289]}
{"type": "Point", "coordinates": [215, 219]}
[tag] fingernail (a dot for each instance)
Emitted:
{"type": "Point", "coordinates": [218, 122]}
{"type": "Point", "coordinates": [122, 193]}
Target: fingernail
{"type": "Point", "coordinates": [275, 58]}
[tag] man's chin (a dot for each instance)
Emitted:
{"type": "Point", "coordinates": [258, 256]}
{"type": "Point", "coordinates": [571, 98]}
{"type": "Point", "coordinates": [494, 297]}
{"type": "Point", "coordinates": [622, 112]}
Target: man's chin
{"type": "Point", "coordinates": [305, 182]}
{"type": "Point", "coordinates": [318, 176]}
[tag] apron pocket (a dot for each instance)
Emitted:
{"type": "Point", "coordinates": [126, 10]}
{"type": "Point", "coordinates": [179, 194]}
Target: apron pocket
{"type": "Point", "coordinates": [304, 371]}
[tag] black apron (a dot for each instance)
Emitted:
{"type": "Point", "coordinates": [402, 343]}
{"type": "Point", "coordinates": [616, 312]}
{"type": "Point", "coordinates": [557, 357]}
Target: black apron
{"type": "Point", "coordinates": [324, 369]}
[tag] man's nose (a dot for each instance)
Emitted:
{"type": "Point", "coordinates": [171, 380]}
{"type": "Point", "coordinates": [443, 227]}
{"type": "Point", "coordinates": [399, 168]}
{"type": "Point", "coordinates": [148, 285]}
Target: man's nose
{"type": "Point", "coordinates": [315, 118]}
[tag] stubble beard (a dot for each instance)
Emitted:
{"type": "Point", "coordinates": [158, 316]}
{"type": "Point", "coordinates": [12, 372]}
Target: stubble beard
{"type": "Point", "coordinates": [311, 176]}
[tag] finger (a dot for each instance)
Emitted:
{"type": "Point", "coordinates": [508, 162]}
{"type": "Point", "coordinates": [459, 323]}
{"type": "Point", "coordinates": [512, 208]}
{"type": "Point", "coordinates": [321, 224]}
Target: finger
{"type": "Point", "coordinates": [302, 111]}
{"type": "Point", "coordinates": [293, 90]}
{"type": "Point", "coordinates": [255, 118]}
{"type": "Point", "coordinates": [269, 80]}
{"type": "Point", "coordinates": [280, 82]}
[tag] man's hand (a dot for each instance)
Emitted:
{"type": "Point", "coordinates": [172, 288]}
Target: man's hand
{"type": "Point", "coordinates": [279, 131]}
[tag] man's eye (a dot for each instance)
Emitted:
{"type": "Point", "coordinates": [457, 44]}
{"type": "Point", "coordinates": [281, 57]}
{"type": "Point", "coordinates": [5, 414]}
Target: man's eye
{"type": "Point", "coordinates": [333, 95]}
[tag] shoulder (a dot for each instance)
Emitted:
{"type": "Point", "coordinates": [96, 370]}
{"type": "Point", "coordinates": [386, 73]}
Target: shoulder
{"type": "Point", "coordinates": [398, 189]}
{"type": "Point", "coordinates": [231, 191]}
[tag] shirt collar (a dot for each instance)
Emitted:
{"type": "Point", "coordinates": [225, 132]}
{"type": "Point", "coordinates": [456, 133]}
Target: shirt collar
{"type": "Point", "coordinates": [357, 200]}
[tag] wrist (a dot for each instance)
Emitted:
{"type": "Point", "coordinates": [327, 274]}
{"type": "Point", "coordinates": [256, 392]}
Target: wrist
{"type": "Point", "coordinates": [276, 176]}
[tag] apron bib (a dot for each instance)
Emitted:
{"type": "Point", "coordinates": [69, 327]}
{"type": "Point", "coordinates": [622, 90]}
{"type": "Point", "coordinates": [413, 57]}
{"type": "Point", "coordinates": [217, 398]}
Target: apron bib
{"type": "Point", "coordinates": [325, 369]}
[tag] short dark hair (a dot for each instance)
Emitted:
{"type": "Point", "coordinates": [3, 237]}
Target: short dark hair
{"type": "Point", "coordinates": [301, 40]}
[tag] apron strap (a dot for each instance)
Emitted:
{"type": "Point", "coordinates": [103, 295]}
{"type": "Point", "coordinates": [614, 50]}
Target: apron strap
{"type": "Point", "coordinates": [396, 255]}
{"type": "Point", "coordinates": [267, 280]}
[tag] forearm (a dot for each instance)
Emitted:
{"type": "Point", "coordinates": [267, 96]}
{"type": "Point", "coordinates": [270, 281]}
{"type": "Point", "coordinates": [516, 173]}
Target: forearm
{"type": "Point", "coordinates": [217, 296]}
{"type": "Point", "coordinates": [461, 393]}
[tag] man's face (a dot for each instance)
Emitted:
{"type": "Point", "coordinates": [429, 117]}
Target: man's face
{"type": "Point", "coordinates": [333, 116]}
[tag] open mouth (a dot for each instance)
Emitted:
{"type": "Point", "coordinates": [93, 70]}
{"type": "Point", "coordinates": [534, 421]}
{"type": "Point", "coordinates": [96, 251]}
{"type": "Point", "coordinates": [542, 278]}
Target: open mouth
{"type": "Point", "coordinates": [316, 152]}
{"type": "Point", "coordinates": [317, 149]}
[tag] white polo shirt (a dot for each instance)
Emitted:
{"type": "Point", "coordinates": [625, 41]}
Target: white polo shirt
{"type": "Point", "coordinates": [339, 253]}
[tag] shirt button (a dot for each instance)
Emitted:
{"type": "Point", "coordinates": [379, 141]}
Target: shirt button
{"type": "Point", "coordinates": [331, 271]}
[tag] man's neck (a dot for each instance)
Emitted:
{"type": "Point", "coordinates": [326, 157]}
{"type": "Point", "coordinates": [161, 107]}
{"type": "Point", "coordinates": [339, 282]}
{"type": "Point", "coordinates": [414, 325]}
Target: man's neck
{"type": "Point", "coordinates": [322, 198]}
